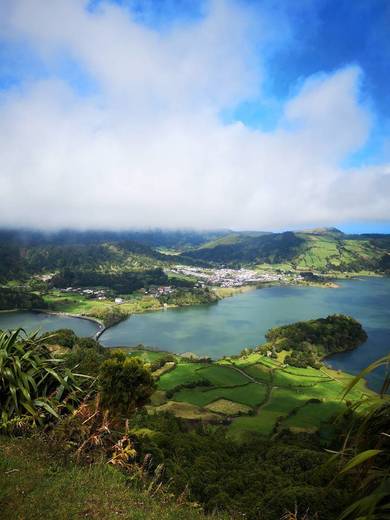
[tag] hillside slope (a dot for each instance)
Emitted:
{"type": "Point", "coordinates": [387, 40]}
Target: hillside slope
{"type": "Point", "coordinates": [270, 248]}
{"type": "Point", "coordinates": [34, 485]}
{"type": "Point", "coordinates": [321, 249]}
{"type": "Point", "coordinates": [23, 254]}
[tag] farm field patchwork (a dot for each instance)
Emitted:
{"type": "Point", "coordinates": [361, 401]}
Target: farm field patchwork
{"type": "Point", "coordinates": [256, 393]}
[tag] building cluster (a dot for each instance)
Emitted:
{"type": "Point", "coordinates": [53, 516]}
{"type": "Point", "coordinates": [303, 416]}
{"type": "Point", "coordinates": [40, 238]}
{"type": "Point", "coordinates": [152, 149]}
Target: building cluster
{"type": "Point", "coordinates": [100, 294]}
{"type": "Point", "coordinates": [160, 291]}
{"type": "Point", "coordinates": [229, 277]}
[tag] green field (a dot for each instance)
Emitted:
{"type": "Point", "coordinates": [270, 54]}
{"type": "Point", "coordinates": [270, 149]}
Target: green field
{"type": "Point", "coordinates": [260, 424]}
{"type": "Point", "coordinates": [223, 376]}
{"type": "Point", "coordinates": [311, 415]}
{"type": "Point", "coordinates": [284, 378]}
{"type": "Point", "coordinates": [184, 373]}
{"type": "Point", "coordinates": [78, 304]}
{"type": "Point", "coordinates": [250, 394]}
{"type": "Point", "coordinates": [277, 396]}
{"type": "Point", "coordinates": [258, 372]}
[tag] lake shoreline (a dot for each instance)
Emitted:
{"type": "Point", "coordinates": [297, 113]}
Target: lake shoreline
{"type": "Point", "coordinates": [92, 319]}
{"type": "Point", "coordinates": [241, 322]}
{"type": "Point", "coordinates": [229, 292]}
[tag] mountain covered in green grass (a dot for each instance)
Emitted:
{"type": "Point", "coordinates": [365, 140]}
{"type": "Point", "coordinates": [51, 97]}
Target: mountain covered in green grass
{"type": "Point", "coordinates": [325, 249]}
{"type": "Point", "coordinates": [27, 253]}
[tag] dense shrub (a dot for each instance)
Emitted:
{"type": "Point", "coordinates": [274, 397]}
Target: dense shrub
{"type": "Point", "coordinates": [90, 343]}
{"type": "Point", "coordinates": [159, 363]}
{"type": "Point", "coordinates": [125, 383]}
{"type": "Point", "coordinates": [86, 360]}
{"type": "Point", "coordinates": [256, 479]}
{"type": "Point", "coordinates": [11, 298]}
{"type": "Point", "coordinates": [63, 337]}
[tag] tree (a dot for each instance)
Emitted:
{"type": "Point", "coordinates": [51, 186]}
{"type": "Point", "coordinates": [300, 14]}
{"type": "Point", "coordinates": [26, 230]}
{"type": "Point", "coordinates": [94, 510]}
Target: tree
{"type": "Point", "coordinates": [125, 384]}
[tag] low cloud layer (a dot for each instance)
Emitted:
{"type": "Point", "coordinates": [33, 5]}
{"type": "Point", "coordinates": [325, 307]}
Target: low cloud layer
{"type": "Point", "coordinates": [146, 145]}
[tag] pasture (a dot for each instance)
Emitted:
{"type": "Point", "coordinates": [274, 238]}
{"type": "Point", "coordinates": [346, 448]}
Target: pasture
{"type": "Point", "coordinates": [255, 393]}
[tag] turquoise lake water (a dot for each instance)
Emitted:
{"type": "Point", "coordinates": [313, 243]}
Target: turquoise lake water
{"type": "Point", "coordinates": [241, 321]}
{"type": "Point", "coordinates": [32, 321]}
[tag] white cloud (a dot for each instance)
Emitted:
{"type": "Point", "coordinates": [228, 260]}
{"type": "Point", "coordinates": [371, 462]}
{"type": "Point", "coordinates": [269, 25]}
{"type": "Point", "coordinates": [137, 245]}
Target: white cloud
{"type": "Point", "coordinates": [149, 148]}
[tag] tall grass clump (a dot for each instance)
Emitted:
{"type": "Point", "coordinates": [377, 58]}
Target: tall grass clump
{"type": "Point", "coordinates": [34, 385]}
{"type": "Point", "coordinates": [366, 451]}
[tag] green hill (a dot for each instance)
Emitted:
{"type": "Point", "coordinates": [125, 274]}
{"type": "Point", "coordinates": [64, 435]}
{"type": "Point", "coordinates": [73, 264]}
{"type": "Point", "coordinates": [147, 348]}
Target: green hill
{"type": "Point", "coordinates": [322, 249]}
{"type": "Point", "coordinates": [270, 248]}
{"type": "Point", "coordinates": [319, 249]}
{"type": "Point", "coordinates": [26, 253]}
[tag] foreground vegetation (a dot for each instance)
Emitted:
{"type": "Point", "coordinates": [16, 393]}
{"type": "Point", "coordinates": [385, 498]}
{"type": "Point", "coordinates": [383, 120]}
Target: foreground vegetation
{"type": "Point", "coordinates": [74, 424]}
{"type": "Point", "coordinates": [34, 482]}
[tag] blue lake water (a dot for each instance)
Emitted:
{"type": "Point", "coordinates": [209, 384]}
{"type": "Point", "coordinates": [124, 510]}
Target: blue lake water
{"type": "Point", "coordinates": [241, 321]}
{"type": "Point", "coordinates": [32, 321]}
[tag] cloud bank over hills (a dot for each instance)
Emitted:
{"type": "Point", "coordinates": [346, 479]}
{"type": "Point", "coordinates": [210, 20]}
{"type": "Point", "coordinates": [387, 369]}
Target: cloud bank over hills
{"type": "Point", "coordinates": [121, 126]}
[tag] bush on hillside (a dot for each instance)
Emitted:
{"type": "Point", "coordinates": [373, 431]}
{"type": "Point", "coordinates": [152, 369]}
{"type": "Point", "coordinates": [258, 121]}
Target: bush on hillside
{"type": "Point", "coordinates": [86, 360]}
{"type": "Point", "coordinates": [125, 384]}
{"type": "Point", "coordinates": [63, 337]}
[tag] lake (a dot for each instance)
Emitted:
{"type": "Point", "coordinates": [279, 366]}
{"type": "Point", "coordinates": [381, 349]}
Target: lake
{"type": "Point", "coordinates": [241, 321]}
{"type": "Point", "coordinates": [32, 321]}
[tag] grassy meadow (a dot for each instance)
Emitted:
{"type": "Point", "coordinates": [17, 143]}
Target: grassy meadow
{"type": "Point", "coordinates": [251, 393]}
{"type": "Point", "coordinates": [78, 304]}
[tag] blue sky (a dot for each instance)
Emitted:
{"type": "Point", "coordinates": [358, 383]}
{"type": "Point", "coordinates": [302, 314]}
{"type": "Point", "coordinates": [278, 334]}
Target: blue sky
{"type": "Point", "coordinates": [272, 54]}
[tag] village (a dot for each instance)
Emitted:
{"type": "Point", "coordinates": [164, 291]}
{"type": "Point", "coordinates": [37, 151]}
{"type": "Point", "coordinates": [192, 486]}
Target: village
{"type": "Point", "coordinates": [202, 278]}
{"type": "Point", "coordinates": [231, 277]}
{"type": "Point", "coordinates": [103, 294]}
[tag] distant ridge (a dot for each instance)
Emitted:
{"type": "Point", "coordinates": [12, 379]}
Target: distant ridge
{"type": "Point", "coordinates": [325, 249]}
{"type": "Point", "coordinates": [323, 231]}
{"type": "Point", "coordinates": [322, 249]}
